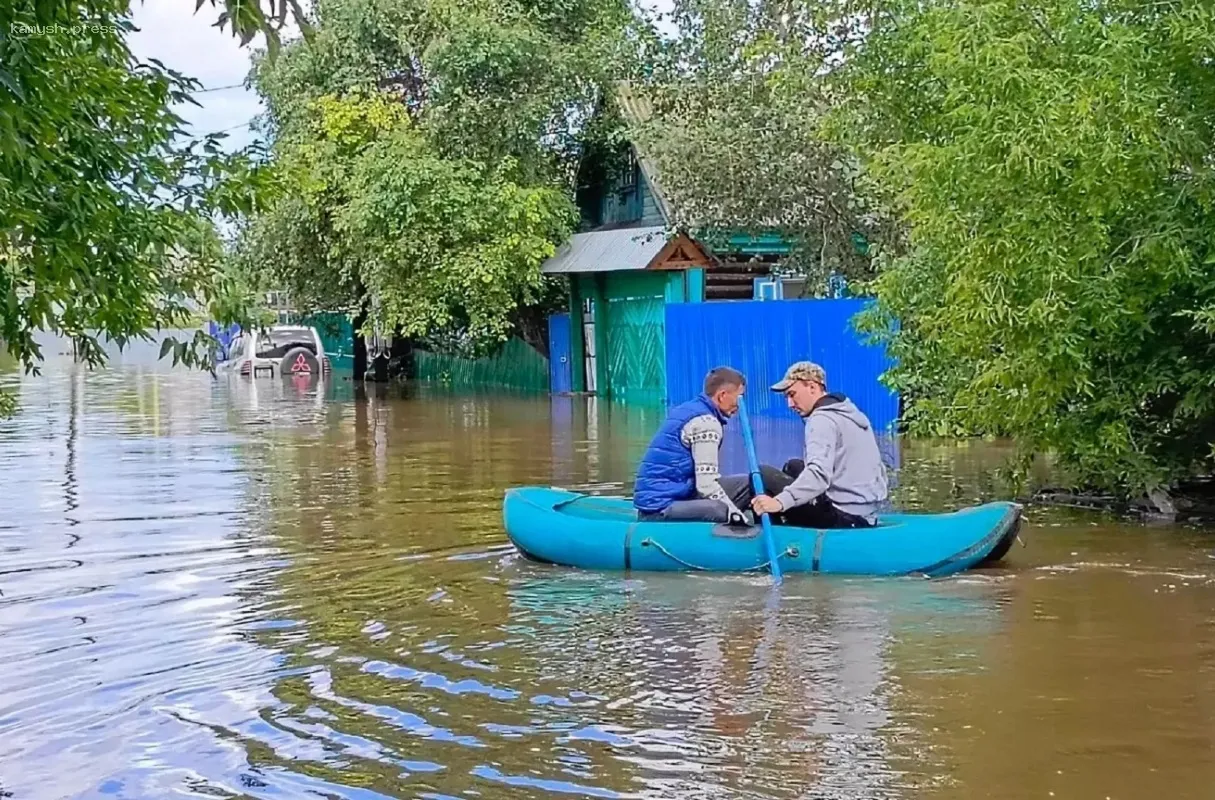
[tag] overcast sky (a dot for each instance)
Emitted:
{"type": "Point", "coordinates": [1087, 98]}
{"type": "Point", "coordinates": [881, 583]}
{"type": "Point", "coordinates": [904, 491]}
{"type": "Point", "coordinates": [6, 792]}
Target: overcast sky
{"type": "Point", "coordinates": [170, 31]}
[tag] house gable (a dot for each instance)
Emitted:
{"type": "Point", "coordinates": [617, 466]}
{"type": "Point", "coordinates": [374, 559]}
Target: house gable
{"type": "Point", "coordinates": [681, 253]}
{"type": "Point", "coordinates": [614, 192]}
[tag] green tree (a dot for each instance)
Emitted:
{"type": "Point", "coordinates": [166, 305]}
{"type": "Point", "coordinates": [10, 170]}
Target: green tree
{"type": "Point", "coordinates": [1054, 162]}
{"type": "Point", "coordinates": [103, 202]}
{"type": "Point", "coordinates": [432, 146]}
{"type": "Point", "coordinates": [437, 243]}
{"type": "Point", "coordinates": [730, 110]}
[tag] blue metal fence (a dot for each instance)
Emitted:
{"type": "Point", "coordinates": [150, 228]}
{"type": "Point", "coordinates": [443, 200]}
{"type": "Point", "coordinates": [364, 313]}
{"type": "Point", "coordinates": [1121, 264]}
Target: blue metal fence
{"type": "Point", "coordinates": [560, 368]}
{"type": "Point", "coordinates": [762, 338]}
{"type": "Point", "coordinates": [224, 336]}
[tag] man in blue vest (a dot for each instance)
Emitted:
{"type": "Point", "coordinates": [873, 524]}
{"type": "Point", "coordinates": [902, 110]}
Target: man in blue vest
{"type": "Point", "coordinates": [679, 478]}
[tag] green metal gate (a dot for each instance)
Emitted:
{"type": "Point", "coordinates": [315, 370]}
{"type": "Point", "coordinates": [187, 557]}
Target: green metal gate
{"type": "Point", "coordinates": [636, 337]}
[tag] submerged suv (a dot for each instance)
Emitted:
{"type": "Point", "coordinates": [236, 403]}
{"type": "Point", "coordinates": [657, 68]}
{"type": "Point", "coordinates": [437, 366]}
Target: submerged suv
{"type": "Point", "coordinates": [283, 350]}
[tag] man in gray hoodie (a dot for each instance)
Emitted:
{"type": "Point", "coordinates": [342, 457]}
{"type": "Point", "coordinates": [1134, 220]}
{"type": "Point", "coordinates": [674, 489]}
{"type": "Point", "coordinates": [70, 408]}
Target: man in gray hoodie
{"type": "Point", "coordinates": [843, 482]}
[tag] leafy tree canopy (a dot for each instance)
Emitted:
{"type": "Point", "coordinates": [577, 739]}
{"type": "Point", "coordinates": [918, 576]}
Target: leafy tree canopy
{"type": "Point", "coordinates": [105, 206]}
{"type": "Point", "coordinates": [730, 110]}
{"type": "Point", "coordinates": [372, 209]}
{"type": "Point", "coordinates": [430, 147]}
{"type": "Point", "coordinates": [1054, 163]}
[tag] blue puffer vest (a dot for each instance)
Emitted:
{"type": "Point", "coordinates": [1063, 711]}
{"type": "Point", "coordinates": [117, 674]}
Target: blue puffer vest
{"type": "Point", "coordinates": [666, 472]}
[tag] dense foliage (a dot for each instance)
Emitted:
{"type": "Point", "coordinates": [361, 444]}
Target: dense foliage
{"type": "Point", "coordinates": [1054, 163]}
{"type": "Point", "coordinates": [734, 103]}
{"type": "Point", "coordinates": [430, 148]}
{"type": "Point", "coordinates": [435, 242]}
{"type": "Point", "coordinates": [105, 209]}
{"type": "Point", "coordinates": [1046, 262]}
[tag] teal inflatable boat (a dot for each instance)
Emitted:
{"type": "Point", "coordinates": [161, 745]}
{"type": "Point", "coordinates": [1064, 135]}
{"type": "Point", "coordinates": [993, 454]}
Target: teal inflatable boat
{"type": "Point", "coordinates": [602, 533]}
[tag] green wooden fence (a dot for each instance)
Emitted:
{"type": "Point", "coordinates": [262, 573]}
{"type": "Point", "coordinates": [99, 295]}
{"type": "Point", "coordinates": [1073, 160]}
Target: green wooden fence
{"type": "Point", "coordinates": [517, 366]}
{"type": "Point", "coordinates": [337, 336]}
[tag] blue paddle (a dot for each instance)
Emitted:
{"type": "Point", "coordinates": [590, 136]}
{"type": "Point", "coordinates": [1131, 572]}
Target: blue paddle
{"type": "Point", "coordinates": [757, 486]}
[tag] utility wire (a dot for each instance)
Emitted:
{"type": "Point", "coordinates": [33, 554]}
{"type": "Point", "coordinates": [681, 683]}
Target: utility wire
{"type": "Point", "coordinates": [219, 88]}
{"type": "Point", "coordinates": [234, 127]}
{"type": "Point", "coordinates": [225, 130]}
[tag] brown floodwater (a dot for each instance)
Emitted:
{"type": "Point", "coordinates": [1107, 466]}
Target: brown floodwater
{"type": "Point", "coordinates": [218, 588]}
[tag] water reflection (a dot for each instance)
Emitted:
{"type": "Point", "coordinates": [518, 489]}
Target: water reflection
{"type": "Point", "coordinates": [804, 677]}
{"type": "Point", "coordinates": [227, 588]}
{"type": "Point", "coordinates": [122, 557]}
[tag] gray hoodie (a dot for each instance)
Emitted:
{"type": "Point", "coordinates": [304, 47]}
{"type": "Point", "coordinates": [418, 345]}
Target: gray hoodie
{"type": "Point", "coordinates": [842, 459]}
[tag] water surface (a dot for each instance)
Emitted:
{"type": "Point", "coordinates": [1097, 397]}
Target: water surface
{"type": "Point", "coordinates": [235, 589]}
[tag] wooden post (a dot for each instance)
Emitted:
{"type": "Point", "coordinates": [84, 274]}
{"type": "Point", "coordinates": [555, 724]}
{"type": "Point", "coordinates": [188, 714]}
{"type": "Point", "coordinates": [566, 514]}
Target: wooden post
{"type": "Point", "coordinates": [359, 343]}
{"type": "Point", "coordinates": [577, 336]}
{"type": "Point", "coordinates": [602, 321]}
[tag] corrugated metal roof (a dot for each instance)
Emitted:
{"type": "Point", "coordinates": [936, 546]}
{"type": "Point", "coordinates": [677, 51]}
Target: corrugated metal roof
{"type": "Point", "coordinates": [606, 251]}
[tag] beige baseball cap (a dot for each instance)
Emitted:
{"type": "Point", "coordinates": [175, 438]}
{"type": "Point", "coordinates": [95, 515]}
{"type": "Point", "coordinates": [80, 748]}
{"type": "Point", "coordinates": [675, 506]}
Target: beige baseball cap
{"type": "Point", "coordinates": [801, 371]}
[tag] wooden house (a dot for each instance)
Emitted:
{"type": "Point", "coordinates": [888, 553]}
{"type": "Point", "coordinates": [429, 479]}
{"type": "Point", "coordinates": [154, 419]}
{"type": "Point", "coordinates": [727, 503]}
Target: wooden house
{"type": "Point", "coordinates": [624, 266]}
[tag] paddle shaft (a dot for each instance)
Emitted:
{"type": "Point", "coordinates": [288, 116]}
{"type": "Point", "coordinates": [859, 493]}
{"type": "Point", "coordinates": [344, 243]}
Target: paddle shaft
{"type": "Point", "coordinates": [757, 486]}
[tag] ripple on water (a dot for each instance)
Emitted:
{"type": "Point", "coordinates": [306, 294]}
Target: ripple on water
{"type": "Point", "coordinates": [251, 590]}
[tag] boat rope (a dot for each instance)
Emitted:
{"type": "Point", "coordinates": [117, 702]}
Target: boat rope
{"type": "Point", "coordinates": [647, 542]}
{"type": "Point", "coordinates": [560, 504]}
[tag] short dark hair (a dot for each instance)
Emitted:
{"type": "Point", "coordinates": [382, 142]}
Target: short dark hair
{"type": "Point", "coordinates": [720, 377]}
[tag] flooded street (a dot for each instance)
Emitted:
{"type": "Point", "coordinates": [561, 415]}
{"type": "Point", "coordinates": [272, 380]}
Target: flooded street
{"type": "Point", "coordinates": [217, 588]}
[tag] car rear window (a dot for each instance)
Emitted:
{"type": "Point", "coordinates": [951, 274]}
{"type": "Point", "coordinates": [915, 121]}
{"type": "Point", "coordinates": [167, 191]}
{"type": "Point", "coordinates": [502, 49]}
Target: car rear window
{"type": "Point", "coordinates": [275, 344]}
